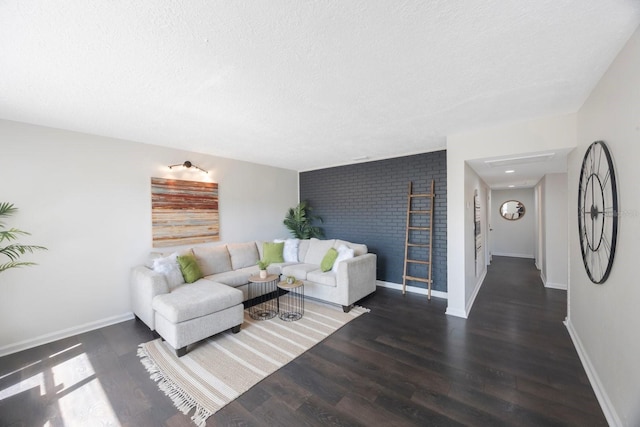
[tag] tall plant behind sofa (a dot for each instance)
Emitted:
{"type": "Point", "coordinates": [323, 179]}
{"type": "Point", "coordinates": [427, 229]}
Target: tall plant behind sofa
{"type": "Point", "coordinates": [300, 222]}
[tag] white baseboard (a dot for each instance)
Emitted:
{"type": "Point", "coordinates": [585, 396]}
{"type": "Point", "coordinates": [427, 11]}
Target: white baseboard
{"type": "Point", "coordinates": [455, 312]}
{"type": "Point", "coordinates": [412, 289]}
{"type": "Point", "coordinates": [514, 255]}
{"type": "Point", "coordinates": [65, 333]}
{"type": "Point", "coordinates": [561, 286]}
{"type": "Point", "coordinates": [605, 403]}
{"type": "Point", "coordinates": [475, 292]}
{"type": "Point", "coordinates": [551, 285]}
{"type": "Point", "coordinates": [465, 313]}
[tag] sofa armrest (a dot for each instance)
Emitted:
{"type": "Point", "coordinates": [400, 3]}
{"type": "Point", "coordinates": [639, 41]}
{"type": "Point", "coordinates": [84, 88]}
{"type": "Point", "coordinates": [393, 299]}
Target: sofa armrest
{"type": "Point", "coordinates": [356, 277]}
{"type": "Point", "coordinates": [145, 285]}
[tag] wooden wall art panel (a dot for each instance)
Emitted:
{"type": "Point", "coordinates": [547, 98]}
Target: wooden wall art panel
{"type": "Point", "coordinates": [184, 212]}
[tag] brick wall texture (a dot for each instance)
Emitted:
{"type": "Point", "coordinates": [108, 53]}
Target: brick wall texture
{"type": "Point", "coordinates": [367, 203]}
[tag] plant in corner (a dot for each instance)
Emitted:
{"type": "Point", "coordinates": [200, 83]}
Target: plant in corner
{"type": "Point", "coordinates": [300, 222]}
{"type": "Point", "coordinates": [14, 250]}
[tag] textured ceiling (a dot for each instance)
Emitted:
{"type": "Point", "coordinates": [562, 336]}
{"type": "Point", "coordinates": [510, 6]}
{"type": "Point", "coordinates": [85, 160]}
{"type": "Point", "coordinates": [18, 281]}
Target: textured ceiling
{"type": "Point", "coordinates": [302, 84]}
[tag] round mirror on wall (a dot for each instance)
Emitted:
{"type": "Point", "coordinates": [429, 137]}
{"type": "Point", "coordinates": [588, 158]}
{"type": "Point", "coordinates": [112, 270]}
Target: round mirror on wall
{"type": "Point", "coordinates": [512, 210]}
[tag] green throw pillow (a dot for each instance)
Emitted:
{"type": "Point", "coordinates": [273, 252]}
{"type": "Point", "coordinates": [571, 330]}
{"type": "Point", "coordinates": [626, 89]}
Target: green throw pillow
{"type": "Point", "coordinates": [189, 268]}
{"type": "Point", "coordinates": [328, 260]}
{"type": "Point", "coordinates": [272, 252]}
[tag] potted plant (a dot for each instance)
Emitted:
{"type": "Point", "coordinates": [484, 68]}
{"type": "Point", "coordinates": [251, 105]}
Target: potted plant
{"type": "Point", "coordinates": [14, 250]}
{"type": "Point", "coordinates": [300, 222]}
{"type": "Point", "coordinates": [262, 265]}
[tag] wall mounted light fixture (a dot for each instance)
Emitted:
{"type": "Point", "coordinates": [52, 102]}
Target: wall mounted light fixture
{"type": "Point", "coordinates": [187, 164]}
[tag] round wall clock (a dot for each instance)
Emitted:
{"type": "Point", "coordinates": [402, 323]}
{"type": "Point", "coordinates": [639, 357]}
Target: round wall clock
{"type": "Point", "coordinates": [598, 212]}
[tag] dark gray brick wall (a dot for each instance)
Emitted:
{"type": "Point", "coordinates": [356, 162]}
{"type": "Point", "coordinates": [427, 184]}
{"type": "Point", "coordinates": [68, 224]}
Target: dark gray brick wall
{"type": "Point", "coordinates": [367, 203]}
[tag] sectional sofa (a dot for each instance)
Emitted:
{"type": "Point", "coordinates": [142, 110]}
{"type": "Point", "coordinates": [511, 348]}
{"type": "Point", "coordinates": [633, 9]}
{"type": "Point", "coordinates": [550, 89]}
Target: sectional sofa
{"type": "Point", "coordinates": [183, 313]}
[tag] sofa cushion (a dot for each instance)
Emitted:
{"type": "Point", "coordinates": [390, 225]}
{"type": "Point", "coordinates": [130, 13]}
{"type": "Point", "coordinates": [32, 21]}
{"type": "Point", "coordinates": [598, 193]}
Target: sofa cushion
{"type": "Point", "coordinates": [272, 252]}
{"type": "Point", "coordinates": [317, 250]}
{"type": "Point", "coordinates": [329, 259]}
{"type": "Point", "coordinates": [212, 259]}
{"type": "Point", "coordinates": [358, 249]}
{"type": "Point", "coordinates": [259, 245]}
{"type": "Point", "coordinates": [327, 278]}
{"type": "Point", "coordinates": [276, 268]}
{"type": "Point", "coordinates": [189, 268]}
{"type": "Point", "coordinates": [299, 271]}
{"type": "Point", "coordinates": [236, 277]}
{"type": "Point", "coordinates": [303, 247]}
{"type": "Point", "coordinates": [196, 300]}
{"type": "Point", "coordinates": [243, 254]}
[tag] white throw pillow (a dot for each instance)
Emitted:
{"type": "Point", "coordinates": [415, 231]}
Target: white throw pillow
{"type": "Point", "coordinates": [290, 252]}
{"type": "Point", "coordinates": [343, 253]}
{"type": "Point", "coordinates": [170, 268]}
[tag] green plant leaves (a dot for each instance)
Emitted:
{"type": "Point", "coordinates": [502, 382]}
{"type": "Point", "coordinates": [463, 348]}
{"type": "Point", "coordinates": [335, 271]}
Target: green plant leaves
{"type": "Point", "coordinates": [9, 265]}
{"type": "Point", "coordinates": [11, 234]}
{"type": "Point", "coordinates": [300, 222]}
{"type": "Point", "coordinates": [15, 250]}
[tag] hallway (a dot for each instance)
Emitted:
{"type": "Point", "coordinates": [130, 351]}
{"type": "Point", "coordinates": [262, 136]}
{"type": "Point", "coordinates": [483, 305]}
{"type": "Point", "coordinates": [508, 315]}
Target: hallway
{"type": "Point", "coordinates": [518, 323]}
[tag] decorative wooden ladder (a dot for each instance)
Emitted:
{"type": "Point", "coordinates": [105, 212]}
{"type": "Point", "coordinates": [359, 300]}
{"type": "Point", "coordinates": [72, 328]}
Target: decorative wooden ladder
{"type": "Point", "coordinates": [413, 213]}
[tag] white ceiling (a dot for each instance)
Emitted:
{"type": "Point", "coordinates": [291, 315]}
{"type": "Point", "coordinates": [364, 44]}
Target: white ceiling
{"type": "Point", "coordinates": [302, 84]}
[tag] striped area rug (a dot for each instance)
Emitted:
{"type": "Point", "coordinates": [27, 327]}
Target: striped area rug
{"type": "Point", "coordinates": [217, 370]}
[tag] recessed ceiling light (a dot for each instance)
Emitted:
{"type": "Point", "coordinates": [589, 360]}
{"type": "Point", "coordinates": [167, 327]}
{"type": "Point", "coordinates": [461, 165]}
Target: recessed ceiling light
{"type": "Point", "coordinates": [511, 186]}
{"type": "Point", "coordinates": [509, 171]}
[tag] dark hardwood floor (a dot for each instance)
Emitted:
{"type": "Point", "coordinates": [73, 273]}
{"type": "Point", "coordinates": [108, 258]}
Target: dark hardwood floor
{"type": "Point", "coordinates": [406, 363]}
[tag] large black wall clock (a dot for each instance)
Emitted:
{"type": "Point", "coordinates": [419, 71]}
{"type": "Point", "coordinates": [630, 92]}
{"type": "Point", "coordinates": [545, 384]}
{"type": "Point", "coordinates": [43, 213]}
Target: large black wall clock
{"type": "Point", "coordinates": [598, 212]}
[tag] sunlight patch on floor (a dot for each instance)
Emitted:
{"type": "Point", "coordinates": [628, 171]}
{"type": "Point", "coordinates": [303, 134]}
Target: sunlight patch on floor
{"type": "Point", "coordinates": [69, 389]}
{"type": "Point", "coordinates": [87, 405]}
{"type": "Point", "coordinates": [36, 381]}
{"type": "Point", "coordinates": [82, 399]}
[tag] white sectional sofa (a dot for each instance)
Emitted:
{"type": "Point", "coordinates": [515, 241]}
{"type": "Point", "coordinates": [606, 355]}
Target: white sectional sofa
{"type": "Point", "coordinates": [162, 301]}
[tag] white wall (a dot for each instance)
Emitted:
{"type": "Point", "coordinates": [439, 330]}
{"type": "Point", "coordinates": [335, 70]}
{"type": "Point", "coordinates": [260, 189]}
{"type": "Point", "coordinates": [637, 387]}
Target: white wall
{"type": "Point", "coordinates": [604, 320]}
{"type": "Point", "coordinates": [87, 199]}
{"type": "Point", "coordinates": [513, 238]}
{"type": "Point", "coordinates": [555, 209]}
{"type": "Point", "coordinates": [540, 242]}
{"type": "Point", "coordinates": [475, 271]}
{"type": "Point", "coordinates": [549, 133]}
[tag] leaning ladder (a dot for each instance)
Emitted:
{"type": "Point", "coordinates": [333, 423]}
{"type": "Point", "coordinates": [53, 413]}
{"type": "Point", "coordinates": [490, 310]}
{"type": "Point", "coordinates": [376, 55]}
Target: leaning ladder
{"type": "Point", "coordinates": [421, 244]}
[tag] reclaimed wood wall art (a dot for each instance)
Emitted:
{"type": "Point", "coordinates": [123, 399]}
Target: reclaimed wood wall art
{"type": "Point", "coordinates": [184, 212]}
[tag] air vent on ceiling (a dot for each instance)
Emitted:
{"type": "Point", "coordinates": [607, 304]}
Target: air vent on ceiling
{"type": "Point", "coordinates": [534, 158]}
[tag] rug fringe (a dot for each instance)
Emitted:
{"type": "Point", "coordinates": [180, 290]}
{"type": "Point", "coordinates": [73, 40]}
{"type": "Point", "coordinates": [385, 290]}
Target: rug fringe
{"type": "Point", "coordinates": [363, 309]}
{"type": "Point", "coordinates": [181, 400]}
{"type": "Point", "coordinates": [200, 417]}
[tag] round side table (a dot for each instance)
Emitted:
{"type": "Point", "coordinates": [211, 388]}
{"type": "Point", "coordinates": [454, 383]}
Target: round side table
{"type": "Point", "coordinates": [260, 290]}
{"type": "Point", "coordinates": [291, 303]}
